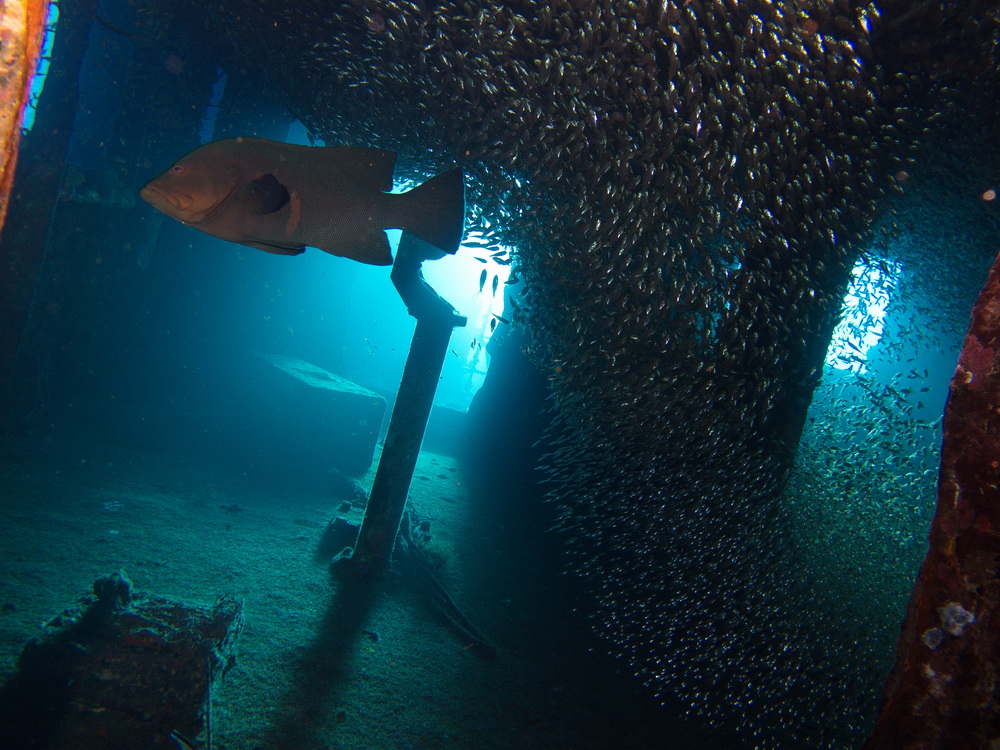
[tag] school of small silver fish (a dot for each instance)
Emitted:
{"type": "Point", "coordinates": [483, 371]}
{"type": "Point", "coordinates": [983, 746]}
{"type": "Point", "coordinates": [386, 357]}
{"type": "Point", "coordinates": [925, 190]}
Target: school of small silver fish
{"type": "Point", "coordinates": [686, 186]}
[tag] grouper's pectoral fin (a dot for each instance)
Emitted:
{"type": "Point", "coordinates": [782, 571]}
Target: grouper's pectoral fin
{"type": "Point", "coordinates": [264, 195]}
{"type": "Point", "coordinates": [276, 249]}
{"type": "Point", "coordinates": [371, 247]}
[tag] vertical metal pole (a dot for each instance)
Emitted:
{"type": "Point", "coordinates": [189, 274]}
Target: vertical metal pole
{"type": "Point", "coordinates": [402, 444]}
{"type": "Point", "coordinates": [435, 319]}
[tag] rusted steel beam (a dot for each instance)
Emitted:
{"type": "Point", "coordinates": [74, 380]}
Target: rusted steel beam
{"type": "Point", "coordinates": [942, 693]}
{"type": "Point", "coordinates": [21, 25]}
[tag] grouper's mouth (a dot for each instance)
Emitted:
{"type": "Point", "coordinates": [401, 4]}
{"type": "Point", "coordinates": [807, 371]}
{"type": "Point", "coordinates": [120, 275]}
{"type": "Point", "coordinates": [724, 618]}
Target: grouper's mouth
{"type": "Point", "coordinates": [160, 198]}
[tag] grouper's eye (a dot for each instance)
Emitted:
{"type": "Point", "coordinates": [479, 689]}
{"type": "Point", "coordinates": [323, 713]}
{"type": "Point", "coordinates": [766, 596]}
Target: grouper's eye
{"type": "Point", "coordinates": [177, 169]}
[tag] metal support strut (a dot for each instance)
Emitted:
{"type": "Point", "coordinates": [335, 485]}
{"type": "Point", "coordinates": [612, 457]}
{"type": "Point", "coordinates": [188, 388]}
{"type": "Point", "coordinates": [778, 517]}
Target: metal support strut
{"type": "Point", "coordinates": [435, 321]}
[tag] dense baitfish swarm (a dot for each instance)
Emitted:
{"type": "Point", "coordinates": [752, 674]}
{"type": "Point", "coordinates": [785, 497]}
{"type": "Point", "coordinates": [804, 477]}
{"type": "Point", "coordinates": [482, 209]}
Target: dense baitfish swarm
{"type": "Point", "coordinates": [681, 183]}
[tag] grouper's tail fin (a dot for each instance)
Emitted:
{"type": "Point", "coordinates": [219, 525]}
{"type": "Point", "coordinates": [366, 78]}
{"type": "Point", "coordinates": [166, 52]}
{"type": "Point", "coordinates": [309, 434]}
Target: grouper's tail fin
{"type": "Point", "coordinates": [437, 210]}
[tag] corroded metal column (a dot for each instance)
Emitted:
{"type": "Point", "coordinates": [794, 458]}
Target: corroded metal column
{"type": "Point", "coordinates": [435, 320]}
{"type": "Point", "coordinates": [21, 27]}
{"type": "Point", "coordinates": [942, 691]}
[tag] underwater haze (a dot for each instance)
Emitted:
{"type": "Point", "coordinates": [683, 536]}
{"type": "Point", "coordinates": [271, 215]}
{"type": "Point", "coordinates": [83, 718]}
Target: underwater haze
{"type": "Point", "coordinates": [675, 485]}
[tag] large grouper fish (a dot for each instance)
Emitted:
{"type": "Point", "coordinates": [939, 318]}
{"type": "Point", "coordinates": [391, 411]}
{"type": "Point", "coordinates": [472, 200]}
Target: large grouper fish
{"type": "Point", "coordinates": [281, 198]}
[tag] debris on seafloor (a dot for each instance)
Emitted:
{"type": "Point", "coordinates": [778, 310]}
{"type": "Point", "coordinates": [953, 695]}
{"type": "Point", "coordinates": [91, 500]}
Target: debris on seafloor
{"type": "Point", "coordinates": [338, 539]}
{"type": "Point", "coordinates": [411, 550]}
{"type": "Point", "coordinates": [411, 559]}
{"type": "Point", "coordinates": [120, 670]}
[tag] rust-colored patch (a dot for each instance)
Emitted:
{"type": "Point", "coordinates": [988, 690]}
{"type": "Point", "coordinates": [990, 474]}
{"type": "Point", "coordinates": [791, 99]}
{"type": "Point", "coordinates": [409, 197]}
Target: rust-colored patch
{"type": "Point", "coordinates": [953, 618]}
{"type": "Point", "coordinates": [21, 25]}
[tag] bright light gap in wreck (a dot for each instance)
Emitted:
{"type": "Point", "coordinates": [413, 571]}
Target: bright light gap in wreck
{"type": "Point", "coordinates": [207, 130]}
{"type": "Point", "coordinates": [457, 279]}
{"type": "Point", "coordinates": [863, 316]}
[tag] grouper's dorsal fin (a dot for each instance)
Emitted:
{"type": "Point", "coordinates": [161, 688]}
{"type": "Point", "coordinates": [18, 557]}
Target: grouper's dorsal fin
{"type": "Point", "coordinates": [366, 167]}
{"type": "Point", "coordinates": [264, 195]}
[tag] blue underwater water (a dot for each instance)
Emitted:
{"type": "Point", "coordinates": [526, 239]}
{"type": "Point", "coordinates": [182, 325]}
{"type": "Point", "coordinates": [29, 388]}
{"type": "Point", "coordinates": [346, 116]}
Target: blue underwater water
{"type": "Point", "coordinates": [209, 420]}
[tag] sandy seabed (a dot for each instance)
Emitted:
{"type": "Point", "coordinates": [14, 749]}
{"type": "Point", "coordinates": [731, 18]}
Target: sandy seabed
{"type": "Point", "coordinates": [76, 508]}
